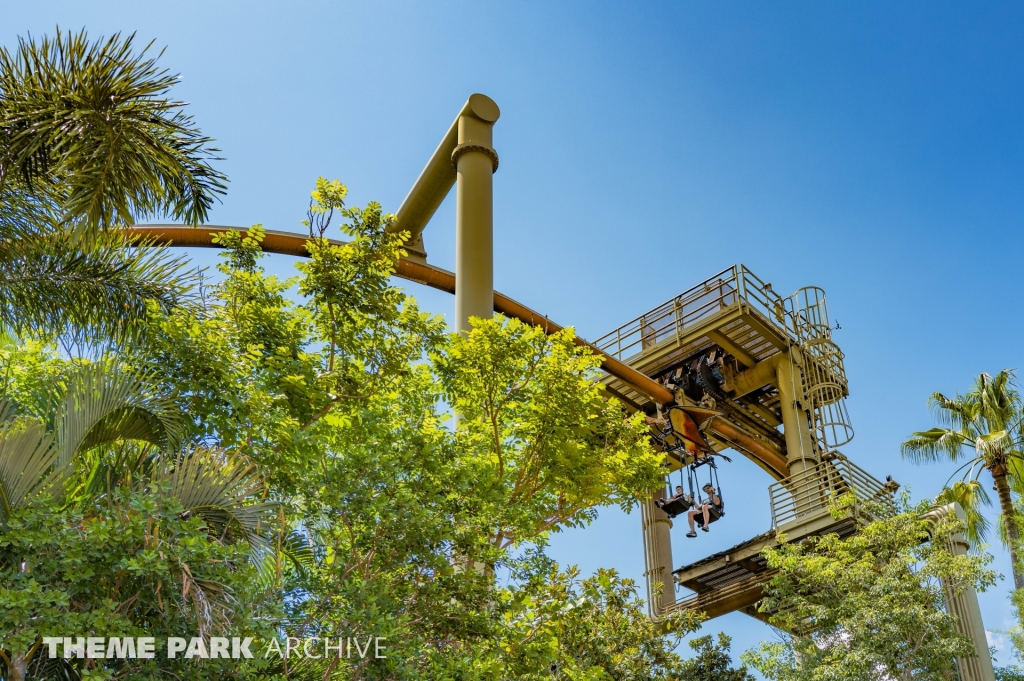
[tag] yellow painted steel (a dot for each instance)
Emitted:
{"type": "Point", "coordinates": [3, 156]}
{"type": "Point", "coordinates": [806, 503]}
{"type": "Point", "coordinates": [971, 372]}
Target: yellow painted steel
{"type": "Point", "coordinates": [438, 177]}
{"type": "Point", "coordinates": [800, 451]}
{"type": "Point", "coordinates": [475, 161]}
{"type": "Point", "coordinates": [658, 535]}
{"type": "Point", "coordinates": [966, 608]}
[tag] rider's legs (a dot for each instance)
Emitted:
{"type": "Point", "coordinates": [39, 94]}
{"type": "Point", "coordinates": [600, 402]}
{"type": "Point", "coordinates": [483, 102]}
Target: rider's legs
{"type": "Point", "coordinates": [692, 513]}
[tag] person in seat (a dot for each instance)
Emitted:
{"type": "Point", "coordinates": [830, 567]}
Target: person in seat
{"type": "Point", "coordinates": [705, 510]}
{"type": "Point", "coordinates": [660, 503]}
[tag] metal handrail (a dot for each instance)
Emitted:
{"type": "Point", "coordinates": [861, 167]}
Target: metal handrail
{"type": "Point", "coordinates": [731, 286]}
{"type": "Point", "coordinates": [813, 489]}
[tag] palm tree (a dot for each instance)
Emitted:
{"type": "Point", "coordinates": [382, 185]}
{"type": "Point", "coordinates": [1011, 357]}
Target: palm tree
{"type": "Point", "coordinates": [982, 431]}
{"type": "Point", "coordinates": [90, 141]}
{"type": "Point", "coordinates": [90, 125]}
{"type": "Point", "coordinates": [96, 287]}
{"type": "Point", "coordinates": [106, 430]}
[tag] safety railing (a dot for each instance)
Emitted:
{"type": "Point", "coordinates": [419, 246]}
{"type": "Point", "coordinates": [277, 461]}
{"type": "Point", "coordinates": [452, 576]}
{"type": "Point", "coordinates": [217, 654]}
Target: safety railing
{"type": "Point", "coordinates": [671, 318]}
{"type": "Point", "coordinates": [812, 490]}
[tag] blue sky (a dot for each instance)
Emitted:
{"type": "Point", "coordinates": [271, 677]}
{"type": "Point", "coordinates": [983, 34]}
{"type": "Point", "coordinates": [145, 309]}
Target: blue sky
{"type": "Point", "coordinates": [871, 148]}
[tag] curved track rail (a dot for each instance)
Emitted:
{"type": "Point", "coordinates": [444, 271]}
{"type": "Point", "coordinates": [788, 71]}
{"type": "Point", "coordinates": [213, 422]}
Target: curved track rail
{"type": "Point", "coordinates": [287, 243]}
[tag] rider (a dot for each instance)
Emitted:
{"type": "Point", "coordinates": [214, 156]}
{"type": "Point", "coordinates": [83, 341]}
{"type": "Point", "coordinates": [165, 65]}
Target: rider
{"type": "Point", "coordinates": [705, 509]}
{"type": "Point", "coordinates": [678, 495]}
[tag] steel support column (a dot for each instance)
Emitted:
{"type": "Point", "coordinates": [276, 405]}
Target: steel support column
{"type": "Point", "coordinates": [475, 162]}
{"type": "Point", "coordinates": [658, 559]}
{"type": "Point", "coordinates": [967, 610]}
{"type": "Point", "coordinates": [799, 447]}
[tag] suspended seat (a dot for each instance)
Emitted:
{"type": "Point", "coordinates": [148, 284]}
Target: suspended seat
{"type": "Point", "coordinates": [682, 437]}
{"type": "Point", "coordinates": [677, 506]}
{"type": "Point", "coordinates": [713, 515]}
{"type": "Point", "coordinates": [714, 512]}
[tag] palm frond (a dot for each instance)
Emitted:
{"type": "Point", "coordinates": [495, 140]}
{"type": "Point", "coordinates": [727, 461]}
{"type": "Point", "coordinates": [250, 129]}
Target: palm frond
{"type": "Point", "coordinates": [8, 411]}
{"type": "Point", "coordinates": [104, 404]}
{"type": "Point", "coordinates": [293, 547]}
{"type": "Point", "coordinates": [994, 447]}
{"type": "Point", "coordinates": [104, 469]}
{"type": "Point", "coordinates": [96, 285]}
{"type": "Point", "coordinates": [24, 215]}
{"type": "Point", "coordinates": [955, 413]}
{"type": "Point", "coordinates": [27, 454]}
{"type": "Point", "coordinates": [998, 399]}
{"type": "Point", "coordinates": [95, 117]}
{"type": "Point", "coordinates": [1015, 471]}
{"type": "Point", "coordinates": [1001, 525]}
{"type": "Point", "coordinates": [219, 488]}
{"type": "Point", "coordinates": [971, 496]}
{"type": "Point", "coordinates": [933, 445]}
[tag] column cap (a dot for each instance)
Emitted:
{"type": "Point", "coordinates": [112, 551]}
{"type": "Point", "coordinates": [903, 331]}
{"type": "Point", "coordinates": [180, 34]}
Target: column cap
{"type": "Point", "coordinates": [482, 107]}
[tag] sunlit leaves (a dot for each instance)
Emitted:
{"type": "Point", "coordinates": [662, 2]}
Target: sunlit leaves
{"type": "Point", "coordinates": [90, 287]}
{"type": "Point", "coordinates": [549, 447]}
{"type": "Point", "coordinates": [982, 430]}
{"type": "Point", "coordinates": [563, 627]}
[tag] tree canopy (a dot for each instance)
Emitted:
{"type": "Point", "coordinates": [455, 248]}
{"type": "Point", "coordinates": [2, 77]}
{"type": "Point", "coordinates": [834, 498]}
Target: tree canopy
{"type": "Point", "coordinates": [872, 605]}
{"type": "Point", "coordinates": [90, 140]}
{"type": "Point", "coordinates": [278, 459]}
{"type": "Point", "coordinates": [381, 504]}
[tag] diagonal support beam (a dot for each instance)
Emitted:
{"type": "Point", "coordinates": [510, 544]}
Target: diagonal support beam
{"type": "Point", "coordinates": [734, 349]}
{"type": "Point", "coordinates": [438, 177]}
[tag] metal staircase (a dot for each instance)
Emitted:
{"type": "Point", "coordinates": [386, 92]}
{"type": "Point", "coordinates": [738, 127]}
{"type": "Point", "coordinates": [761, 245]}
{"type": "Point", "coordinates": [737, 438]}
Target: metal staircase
{"type": "Point", "coordinates": [720, 343]}
{"type": "Point", "coordinates": [732, 345]}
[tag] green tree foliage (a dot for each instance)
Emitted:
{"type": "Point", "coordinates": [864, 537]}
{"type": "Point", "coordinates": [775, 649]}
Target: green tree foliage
{"type": "Point", "coordinates": [870, 606]}
{"type": "Point", "coordinates": [89, 288]}
{"type": "Point", "coordinates": [390, 522]}
{"type": "Point", "coordinates": [102, 529]}
{"type": "Point", "coordinates": [1009, 673]}
{"type": "Point", "coordinates": [561, 627]}
{"type": "Point", "coordinates": [712, 662]}
{"type": "Point", "coordinates": [89, 125]}
{"type": "Point", "coordinates": [548, 447]}
{"type": "Point", "coordinates": [142, 506]}
{"type": "Point", "coordinates": [980, 430]}
{"type": "Point", "coordinates": [134, 564]}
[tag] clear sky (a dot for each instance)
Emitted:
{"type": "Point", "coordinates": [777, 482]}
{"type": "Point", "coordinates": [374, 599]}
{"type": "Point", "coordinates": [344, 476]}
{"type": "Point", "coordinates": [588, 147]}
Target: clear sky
{"type": "Point", "coordinates": [871, 148]}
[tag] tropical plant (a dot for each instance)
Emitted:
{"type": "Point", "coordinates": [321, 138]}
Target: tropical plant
{"type": "Point", "coordinates": [981, 430]}
{"type": "Point", "coordinates": [343, 400]}
{"type": "Point", "coordinates": [87, 481]}
{"type": "Point", "coordinates": [89, 140]}
{"type": "Point", "coordinates": [1009, 673]}
{"type": "Point", "coordinates": [562, 627]}
{"type": "Point", "coordinates": [91, 288]}
{"type": "Point", "coordinates": [549, 446]}
{"type": "Point", "coordinates": [712, 662]}
{"type": "Point", "coordinates": [89, 126]}
{"type": "Point", "coordinates": [100, 406]}
{"type": "Point", "coordinates": [972, 497]}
